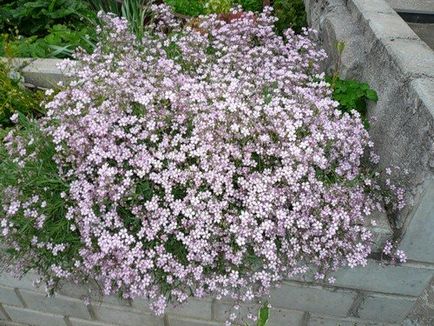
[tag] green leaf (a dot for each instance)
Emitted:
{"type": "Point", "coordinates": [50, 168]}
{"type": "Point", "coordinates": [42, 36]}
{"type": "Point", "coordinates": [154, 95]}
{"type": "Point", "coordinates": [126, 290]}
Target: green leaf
{"type": "Point", "coordinates": [371, 95]}
{"type": "Point", "coordinates": [263, 315]}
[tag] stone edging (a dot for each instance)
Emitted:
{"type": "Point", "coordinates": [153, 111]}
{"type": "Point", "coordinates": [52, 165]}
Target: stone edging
{"type": "Point", "coordinates": [42, 73]}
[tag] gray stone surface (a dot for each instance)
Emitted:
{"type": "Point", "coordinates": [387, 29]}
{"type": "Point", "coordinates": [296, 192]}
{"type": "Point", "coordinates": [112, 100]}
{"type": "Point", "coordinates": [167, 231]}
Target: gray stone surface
{"type": "Point", "coordinates": [34, 318]}
{"type": "Point", "coordinates": [425, 32]}
{"type": "Point", "coordinates": [82, 322]}
{"type": "Point", "coordinates": [25, 282]}
{"type": "Point", "coordinates": [423, 311]}
{"type": "Point", "coordinates": [38, 72]}
{"type": "Point", "coordinates": [278, 317]}
{"type": "Point", "coordinates": [382, 231]}
{"type": "Point", "coordinates": [180, 321]}
{"type": "Point", "coordinates": [374, 277]}
{"type": "Point", "coordinates": [385, 308]}
{"type": "Point", "coordinates": [11, 323]}
{"type": "Point", "coordinates": [414, 57]}
{"type": "Point", "coordinates": [418, 241]}
{"type": "Point", "coordinates": [8, 296]}
{"type": "Point", "coordinates": [422, 5]}
{"type": "Point", "coordinates": [57, 305]}
{"type": "Point", "coordinates": [200, 309]}
{"type": "Point", "coordinates": [3, 314]}
{"type": "Point", "coordinates": [123, 316]}
{"type": "Point", "coordinates": [318, 299]}
{"type": "Point", "coordinates": [318, 320]}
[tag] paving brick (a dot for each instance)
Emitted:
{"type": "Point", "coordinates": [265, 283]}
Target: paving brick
{"type": "Point", "coordinates": [57, 305]}
{"type": "Point", "coordinates": [3, 314]}
{"type": "Point", "coordinates": [374, 277]}
{"type": "Point", "coordinates": [385, 308]}
{"type": "Point", "coordinates": [418, 241]}
{"type": "Point", "coordinates": [317, 320]}
{"type": "Point", "coordinates": [11, 323]}
{"type": "Point", "coordinates": [25, 282]}
{"type": "Point", "coordinates": [182, 321]}
{"type": "Point", "coordinates": [381, 231]}
{"type": "Point", "coordinates": [196, 308]}
{"type": "Point", "coordinates": [92, 291]}
{"type": "Point", "coordinates": [277, 317]}
{"type": "Point", "coordinates": [123, 316]}
{"type": "Point", "coordinates": [318, 299]}
{"type": "Point", "coordinates": [8, 296]}
{"type": "Point", "coordinates": [82, 322]}
{"type": "Point", "coordinates": [34, 318]}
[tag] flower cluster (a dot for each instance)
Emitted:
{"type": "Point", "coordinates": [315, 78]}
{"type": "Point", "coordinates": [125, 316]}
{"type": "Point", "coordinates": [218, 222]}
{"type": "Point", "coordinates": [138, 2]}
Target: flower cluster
{"type": "Point", "coordinates": [204, 161]}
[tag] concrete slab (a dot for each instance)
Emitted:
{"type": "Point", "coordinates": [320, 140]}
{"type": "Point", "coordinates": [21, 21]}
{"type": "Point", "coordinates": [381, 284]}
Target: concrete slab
{"type": "Point", "coordinates": [425, 32]}
{"type": "Point", "coordinates": [423, 5]}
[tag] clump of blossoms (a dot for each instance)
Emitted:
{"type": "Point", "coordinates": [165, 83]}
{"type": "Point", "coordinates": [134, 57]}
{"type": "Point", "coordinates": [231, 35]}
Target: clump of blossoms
{"type": "Point", "coordinates": [208, 160]}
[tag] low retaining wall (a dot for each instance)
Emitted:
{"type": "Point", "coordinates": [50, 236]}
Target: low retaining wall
{"type": "Point", "coordinates": [382, 50]}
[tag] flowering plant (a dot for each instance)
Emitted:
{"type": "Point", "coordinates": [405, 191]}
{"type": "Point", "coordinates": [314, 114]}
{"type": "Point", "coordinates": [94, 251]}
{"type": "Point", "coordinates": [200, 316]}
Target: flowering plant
{"type": "Point", "coordinates": [209, 160]}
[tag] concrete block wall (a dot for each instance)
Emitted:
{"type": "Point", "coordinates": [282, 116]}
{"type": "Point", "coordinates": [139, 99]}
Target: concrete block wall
{"type": "Point", "coordinates": [360, 296]}
{"type": "Point", "coordinates": [382, 50]}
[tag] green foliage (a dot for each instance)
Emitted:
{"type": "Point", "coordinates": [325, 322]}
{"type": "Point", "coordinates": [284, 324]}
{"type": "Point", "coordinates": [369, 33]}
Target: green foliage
{"type": "Point", "coordinates": [59, 42]}
{"type": "Point", "coordinates": [263, 315]}
{"type": "Point", "coordinates": [37, 17]}
{"type": "Point", "coordinates": [250, 5]}
{"type": "Point", "coordinates": [291, 13]}
{"type": "Point", "coordinates": [38, 176]}
{"type": "Point", "coordinates": [352, 95]}
{"type": "Point", "coordinates": [218, 6]}
{"type": "Point", "coordinates": [137, 12]}
{"type": "Point", "coordinates": [45, 28]}
{"type": "Point", "coordinates": [188, 7]}
{"type": "Point", "coordinates": [14, 97]}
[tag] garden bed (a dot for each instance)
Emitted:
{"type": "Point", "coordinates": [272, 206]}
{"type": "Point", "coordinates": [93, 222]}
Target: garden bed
{"type": "Point", "coordinates": [356, 293]}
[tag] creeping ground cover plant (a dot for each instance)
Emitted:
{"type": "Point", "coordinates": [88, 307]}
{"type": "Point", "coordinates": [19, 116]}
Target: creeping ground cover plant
{"type": "Point", "coordinates": [203, 160]}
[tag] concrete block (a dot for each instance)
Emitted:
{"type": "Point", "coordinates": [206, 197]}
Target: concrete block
{"type": "Point", "coordinates": [82, 322]}
{"type": "Point", "coordinates": [423, 88]}
{"type": "Point", "coordinates": [11, 323]}
{"type": "Point", "coordinates": [418, 241]}
{"type": "Point", "coordinates": [194, 308]}
{"type": "Point", "coordinates": [318, 320]}
{"type": "Point", "coordinates": [381, 232]}
{"type": "Point", "coordinates": [3, 314]}
{"type": "Point", "coordinates": [182, 321]}
{"type": "Point", "coordinates": [387, 26]}
{"type": "Point", "coordinates": [40, 72]}
{"type": "Point", "coordinates": [367, 6]}
{"type": "Point", "coordinates": [92, 291]}
{"type": "Point", "coordinates": [406, 280]}
{"type": "Point", "coordinates": [34, 318]}
{"type": "Point", "coordinates": [414, 57]}
{"type": "Point", "coordinates": [57, 305]}
{"type": "Point", "coordinates": [277, 317]}
{"type": "Point", "coordinates": [317, 299]}
{"type": "Point", "coordinates": [25, 282]}
{"type": "Point", "coordinates": [405, 5]}
{"type": "Point", "coordinates": [125, 317]}
{"type": "Point", "coordinates": [9, 297]}
{"type": "Point", "coordinates": [392, 309]}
